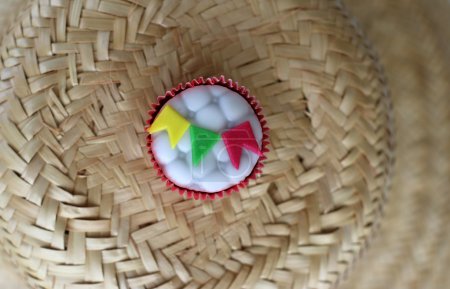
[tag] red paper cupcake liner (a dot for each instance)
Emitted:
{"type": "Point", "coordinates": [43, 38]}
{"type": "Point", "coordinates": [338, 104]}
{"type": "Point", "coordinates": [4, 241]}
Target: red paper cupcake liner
{"type": "Point", "coordinates": [234, 86]}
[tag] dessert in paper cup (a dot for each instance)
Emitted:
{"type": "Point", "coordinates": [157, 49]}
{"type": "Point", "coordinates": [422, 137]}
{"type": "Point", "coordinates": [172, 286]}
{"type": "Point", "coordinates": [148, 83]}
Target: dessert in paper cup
{"type": "Point", "coordinates": [207, 138]}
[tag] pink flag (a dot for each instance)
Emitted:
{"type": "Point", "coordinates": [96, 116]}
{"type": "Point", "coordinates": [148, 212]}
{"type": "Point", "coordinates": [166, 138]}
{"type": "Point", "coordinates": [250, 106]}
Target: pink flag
{"type": "Point", "coordinates": [239, 138]}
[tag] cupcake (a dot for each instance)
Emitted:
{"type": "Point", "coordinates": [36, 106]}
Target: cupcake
{"type": "Point", "coordinates": [207, 138]}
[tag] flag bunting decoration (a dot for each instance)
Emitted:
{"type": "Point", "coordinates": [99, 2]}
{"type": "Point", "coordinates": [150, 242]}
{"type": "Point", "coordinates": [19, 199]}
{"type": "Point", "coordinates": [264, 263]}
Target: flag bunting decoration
{"type": "Point", "coordinates": [203, 140]}
{"type": "Point", "coordinates": [172, 122]}
{"type": "Point", "coordinates": [239, 138]}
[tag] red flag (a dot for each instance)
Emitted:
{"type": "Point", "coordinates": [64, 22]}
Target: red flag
{"type": "Point", "coordinates": [238, 138]}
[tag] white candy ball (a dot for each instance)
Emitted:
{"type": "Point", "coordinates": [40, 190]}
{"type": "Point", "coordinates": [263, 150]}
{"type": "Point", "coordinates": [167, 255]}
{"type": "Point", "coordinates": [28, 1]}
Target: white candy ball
{"type": "Point", "coordinates": [211, 117]}
{"type": "Point", "coordinates": [185, 143]}
{"type": "Point", "coordinates": [205, 167]}
{"type": "Point", "coordinates": [217, 90]}
{"type": "Point", "coordinates": [257, 130]}
{"type": "Point", "coordinates": [196, 98]}
{"type": "Point", "coordinates": [162, 150]}
{"type": "Point", "coordinates": [178, 104]}
{"type": "Point", "coordinates": [214, 182]}
{"type": "Point", "coordinates": [255, 124]}
{"type": "Point", "coordinates": [245, 168]}
{"type": "Point", "coordinates": [233, 107]}
{"type": "Point", "coordinates": [179, 173]}
{"type": "Point", "coordinates": [220, 151]}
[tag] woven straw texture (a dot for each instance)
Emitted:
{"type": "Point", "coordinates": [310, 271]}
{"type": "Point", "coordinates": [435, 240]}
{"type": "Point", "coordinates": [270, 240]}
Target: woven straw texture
{"type": "Point", "coordinates": [9, 11]}
{"type": "Point", "coordinates": [80, 206]}
{"type": "Point", "coordinates": [413, 246]}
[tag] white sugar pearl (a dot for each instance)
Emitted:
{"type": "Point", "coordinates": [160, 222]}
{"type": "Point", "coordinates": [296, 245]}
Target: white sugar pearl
{"type": "Point", "coordinates": [214, 182]}
{"type": "Point", "coordinates": [189, 158]}
{"type": "Point", "coordinates": [179, 172]}
{"type": "Point", "coordinates": [233, 107]}
{"type": "Point", "coordinates": [221, 153]}
{"type": "Point", "coordinates": [196, 98]}
{"type": "Point", "coordinates": [217, 90]}
{"type": "Point", "coordinates": [255, 124]}
{"type": "Point", "coordinates": [245, 168]}
{"type": "Point", "coordinates": [211, 118]}
{"type": "Point", "coordinates": [162, 149]}
{"type": "Point", "coordinates": [185, 143]}
{"type": "Point", "coordinates": [256, 127]}
{"type": "Point", "coordinates": [205, 167]}
{"type": "Point", "coordinates": [178, 104]}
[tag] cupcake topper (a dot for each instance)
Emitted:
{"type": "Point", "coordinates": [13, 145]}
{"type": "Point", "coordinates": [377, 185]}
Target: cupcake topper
{"type": "Point", "coordinates": [173, 123]}
{"type": "Point", "coordinates": [203, 140]}
{"type": "Point", "coordinates": [239, 138]}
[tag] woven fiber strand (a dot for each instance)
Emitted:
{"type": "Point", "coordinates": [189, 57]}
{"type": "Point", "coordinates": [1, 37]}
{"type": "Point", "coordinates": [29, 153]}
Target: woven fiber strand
{"type": "Point", "coordinates": [9, 10]}
{"type": "Point", "coordinates": [413, 247]}
{"type": "Point", "coordinates": [9, 278]}
{"type": "Point", "coordinates": [80, 206]}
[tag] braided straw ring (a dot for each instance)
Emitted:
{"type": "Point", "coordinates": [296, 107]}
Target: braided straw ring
{"type": "Point", "coordinates": [81, 205]}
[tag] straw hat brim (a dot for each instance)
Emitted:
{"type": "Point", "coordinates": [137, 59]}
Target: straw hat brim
{"type": "Point", "coordinates": [9, 278]}
{"type": "Point", "coordinates": [413, 246]}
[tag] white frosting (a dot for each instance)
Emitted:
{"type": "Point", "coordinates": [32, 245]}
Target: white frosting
{"type": "Point", "coordinates": [216, 108]}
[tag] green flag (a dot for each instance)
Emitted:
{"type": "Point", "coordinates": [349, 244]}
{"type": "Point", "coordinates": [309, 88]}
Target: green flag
{"type": "Point", "coordinates": [202, 141]}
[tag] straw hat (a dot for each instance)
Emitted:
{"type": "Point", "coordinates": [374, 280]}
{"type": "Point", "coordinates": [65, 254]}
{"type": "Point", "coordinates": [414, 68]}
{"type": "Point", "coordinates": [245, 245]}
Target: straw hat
{"type": "Point", "coordinates": [312, 261]}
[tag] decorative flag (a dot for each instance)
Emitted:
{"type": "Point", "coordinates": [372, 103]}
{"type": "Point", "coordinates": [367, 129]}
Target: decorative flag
{"type": "Point", "coordinates": [171, 121]}
{"type": "Point", "coordinates": [238, 138]}
{"type": "Point", "coordinates": [202, 141]}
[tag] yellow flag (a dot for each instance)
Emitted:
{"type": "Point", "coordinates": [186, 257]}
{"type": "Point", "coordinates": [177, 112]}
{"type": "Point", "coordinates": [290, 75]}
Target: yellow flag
{"type": "Point", "coordinates": [171, 121]}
